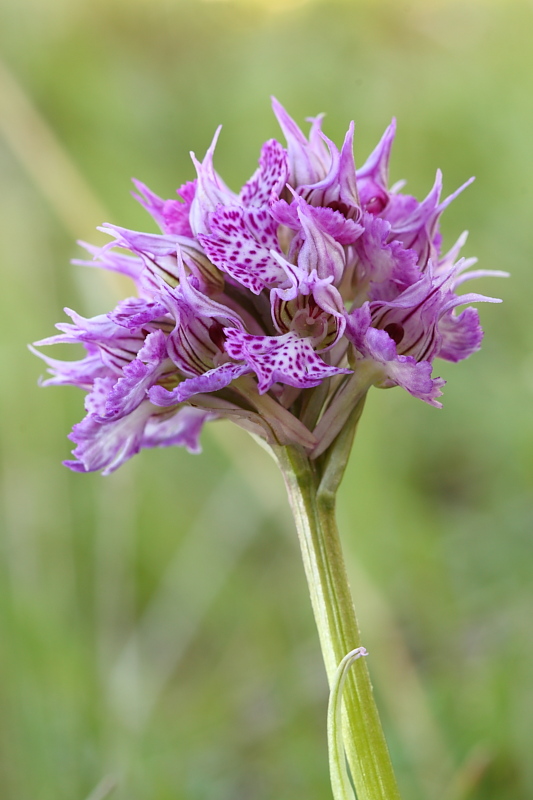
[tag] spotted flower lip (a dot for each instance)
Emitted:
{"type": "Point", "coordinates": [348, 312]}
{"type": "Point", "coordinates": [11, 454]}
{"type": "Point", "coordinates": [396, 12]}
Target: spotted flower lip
{"type": "Point", "coordinates": [276, 306]}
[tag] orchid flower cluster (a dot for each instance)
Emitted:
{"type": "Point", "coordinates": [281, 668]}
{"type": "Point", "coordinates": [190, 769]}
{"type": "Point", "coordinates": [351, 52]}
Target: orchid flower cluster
{"type": "Point", "coordinates": [277, 307]}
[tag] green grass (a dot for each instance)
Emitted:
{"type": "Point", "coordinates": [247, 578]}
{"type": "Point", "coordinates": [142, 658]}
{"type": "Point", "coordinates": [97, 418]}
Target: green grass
{"type": "Point", "coordinates": [155, 625]}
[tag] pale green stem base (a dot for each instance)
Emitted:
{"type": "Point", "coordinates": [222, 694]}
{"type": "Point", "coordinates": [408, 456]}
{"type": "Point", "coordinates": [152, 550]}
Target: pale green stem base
{"type": "Point", "coordinates": [313, 505]}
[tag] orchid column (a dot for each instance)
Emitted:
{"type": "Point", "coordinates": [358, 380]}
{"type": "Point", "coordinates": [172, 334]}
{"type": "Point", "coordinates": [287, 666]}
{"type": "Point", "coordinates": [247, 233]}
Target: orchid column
{"type": "Point", "coordinates": [278, 308]}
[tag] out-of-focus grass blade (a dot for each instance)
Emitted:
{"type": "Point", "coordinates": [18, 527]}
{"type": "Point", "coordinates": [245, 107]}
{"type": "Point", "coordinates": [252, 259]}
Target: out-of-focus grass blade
{"type": "Point", "coordinates": [106, 787]}
{"type": "Point", "coordinates": [200, 567]}
{"type": "Point", "coordinates": [37, 148]}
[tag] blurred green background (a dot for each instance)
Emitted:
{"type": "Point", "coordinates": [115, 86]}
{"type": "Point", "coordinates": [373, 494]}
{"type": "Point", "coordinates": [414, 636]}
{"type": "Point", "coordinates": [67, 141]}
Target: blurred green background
{"type": "Point", "coordinates": [156, 635]}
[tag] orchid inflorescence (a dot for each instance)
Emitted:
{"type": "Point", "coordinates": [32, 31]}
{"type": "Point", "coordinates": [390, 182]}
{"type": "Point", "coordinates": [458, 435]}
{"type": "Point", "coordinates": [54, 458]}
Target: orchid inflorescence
{"type": "Point", "coordinates": [277, 307]}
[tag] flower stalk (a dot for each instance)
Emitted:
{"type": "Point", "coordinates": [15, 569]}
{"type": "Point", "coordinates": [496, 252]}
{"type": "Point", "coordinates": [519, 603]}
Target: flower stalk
{"type": "Point", "coordinates": [311, 488]}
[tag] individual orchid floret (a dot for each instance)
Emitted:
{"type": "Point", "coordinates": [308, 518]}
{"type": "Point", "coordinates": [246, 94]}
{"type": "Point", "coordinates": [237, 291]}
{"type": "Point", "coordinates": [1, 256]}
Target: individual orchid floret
{"type": "Point", "coordinates": [413, 329]}
{"type": "Point", "coordinates": [310, 307]}
{"type": "Point", "coordinates": [393, 368]}
{"type": "Point", "coordinates": [276, 306]}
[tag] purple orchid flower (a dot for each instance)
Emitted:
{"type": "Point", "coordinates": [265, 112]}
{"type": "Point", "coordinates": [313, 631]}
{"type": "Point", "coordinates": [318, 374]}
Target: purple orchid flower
{"type": "Point", "coordinates": [316, 277]}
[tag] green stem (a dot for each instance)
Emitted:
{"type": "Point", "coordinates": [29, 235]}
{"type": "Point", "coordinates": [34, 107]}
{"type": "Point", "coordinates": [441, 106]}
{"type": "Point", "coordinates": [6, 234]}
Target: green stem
{"type": "Point", "coordinates": [313, 504]}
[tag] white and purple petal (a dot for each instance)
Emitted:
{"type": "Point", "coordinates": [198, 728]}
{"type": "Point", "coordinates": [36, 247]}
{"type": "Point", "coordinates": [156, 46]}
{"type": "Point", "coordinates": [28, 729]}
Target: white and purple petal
{"type": "Point", "coordinates": [269, 179]}
{"type": "Point", "coordinates": [138, 376]}
{"type": "Point", "coordinates": [287, 359]}
{"type": "Point", "coordinates": [387, 265]}
{"type": "Point", "coordinates": [320, 252]}
{"type": "Point", "coordinates": [80, 373]}
{"type": "Point", "coordinates": [182, 428]}
{"type": "Point", "coordinates": [107, 445]}
{"type": "Point", "coordinates": [211, 381]}
{"type": "Point", "coordinates": [240, 245]}
{"type": "Point", "coordinates": [330, 221]}
{"type": "Point", "coordinates": [461, 335]}
{"type": "Point", "coordinates": [134, 312]}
